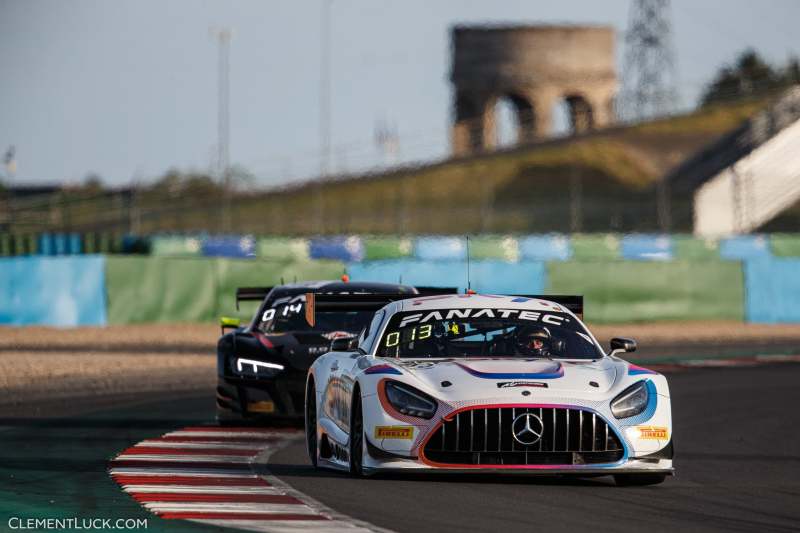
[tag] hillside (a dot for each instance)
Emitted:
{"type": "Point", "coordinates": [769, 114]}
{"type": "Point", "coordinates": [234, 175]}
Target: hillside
{"type": "Point", "coordinates": [596, 182]}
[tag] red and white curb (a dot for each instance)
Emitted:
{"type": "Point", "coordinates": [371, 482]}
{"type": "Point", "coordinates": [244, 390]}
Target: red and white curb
{"type": "Point", "coordinates": [208, 474]}
{"type": "Point", "coordinates": [755, 360]}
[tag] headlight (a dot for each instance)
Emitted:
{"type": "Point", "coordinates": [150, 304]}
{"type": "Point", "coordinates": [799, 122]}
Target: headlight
{"type": "Point", "coordinates": [409, 400]}
{"type": "Point", "coordinates": [631, 401]}
{"type": "Point", "coordinates": [252, 367]}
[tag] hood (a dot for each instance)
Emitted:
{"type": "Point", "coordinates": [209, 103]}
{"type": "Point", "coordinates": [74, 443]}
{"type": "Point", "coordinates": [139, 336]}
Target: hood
{"type": "Point", "coordinates": [472, 379]}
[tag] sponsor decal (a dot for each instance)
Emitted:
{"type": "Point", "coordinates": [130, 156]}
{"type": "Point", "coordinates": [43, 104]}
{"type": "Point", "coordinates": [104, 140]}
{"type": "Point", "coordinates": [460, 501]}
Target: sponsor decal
{"type": "Point", "coordinates": [653, 432]}
{"type": "Point", "coordinates": [339, 335]}
{"type": "Point", "coordinates": [449, 314]}
{"type": "Point", "coordinates": [420, 365]}
{"type": "Point", "coordinates": [514, 384]}
{"type": "Point", "coordinates": [394, 432]}
{"type": "Point", "coordinates": [261, 407]}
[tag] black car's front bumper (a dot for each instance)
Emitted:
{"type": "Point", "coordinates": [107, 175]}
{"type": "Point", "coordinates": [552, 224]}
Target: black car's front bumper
{"type": "Point", "coordinates": [265, 399]}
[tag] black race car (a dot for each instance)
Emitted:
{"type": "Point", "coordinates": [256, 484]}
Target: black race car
{"type": "Point", "coordinates": [262, 367]}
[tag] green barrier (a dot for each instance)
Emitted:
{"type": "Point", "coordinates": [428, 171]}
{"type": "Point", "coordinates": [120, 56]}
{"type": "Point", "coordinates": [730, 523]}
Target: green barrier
{"type": "Point", "coordinates": [233, 273]}
{"type": "Point", "coordinates": [153, 289]}
{"type": "Point", "coordinates": [689, 247]}
{"type": "Point", "coordinates": [175, 246]}
{"type": "Point", "coordinates": [595, 246]}
{"type": "Point", "coordinates": [785, 245]}
{"type": "Point", "coordinates": [377, 248]}
{"type": "Point", "coordinates": [632, 291]}
{"type": "Point", "coordinates": [282, 249]}
{"type": "Point", "coordinates": [494, 247]}
{"type": "Point", "coordinates": [5, 244]}
{"type": "Point", "coordinates": [178, 289]}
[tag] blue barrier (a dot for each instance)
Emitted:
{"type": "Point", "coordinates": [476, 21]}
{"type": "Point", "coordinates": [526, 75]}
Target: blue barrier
{"type": "Point", "coordinates": [772, 290]}
{"type": "Point", "coordinates": [744, 247]}
{"type": "Point", "coordinates": [339, 248]}
{"type": "Point", "coordinates": [490, 276]}
{"type": "Point", "coordinates": [646, 247]}
{"type": "Point", "coordinates": [440, 248]}
{"type": "Point", "coordinates": [545, 248]}
{"type": "Point", "coordinates": [53, 291]}
{"type": "Point", "coordinates": [242, 246]}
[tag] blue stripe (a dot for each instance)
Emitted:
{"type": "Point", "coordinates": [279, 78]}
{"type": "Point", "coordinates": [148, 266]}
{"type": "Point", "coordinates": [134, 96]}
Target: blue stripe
{"type": "Point", "coordinates": [512, 375]}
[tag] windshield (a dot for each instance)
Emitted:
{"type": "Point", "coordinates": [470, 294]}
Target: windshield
{"type": "Point", "coordinates": [486, 333]}
{"type": "Point", "coordinates": [289, 314]}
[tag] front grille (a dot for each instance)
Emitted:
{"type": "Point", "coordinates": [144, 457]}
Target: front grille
{"type": "Point", "coordinates": [484, 436]}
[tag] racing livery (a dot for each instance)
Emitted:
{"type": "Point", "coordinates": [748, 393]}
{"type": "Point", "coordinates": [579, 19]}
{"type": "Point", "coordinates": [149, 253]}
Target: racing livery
{"type": "Point", "coordinates": [475, 383]}
{"type": "Point", "coordinates": [261, 367]}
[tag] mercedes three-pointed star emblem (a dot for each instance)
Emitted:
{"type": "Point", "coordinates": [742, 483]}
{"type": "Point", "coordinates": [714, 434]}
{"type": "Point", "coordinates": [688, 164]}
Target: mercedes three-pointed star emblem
{"type": "Point", "coordinates": [527, 429]}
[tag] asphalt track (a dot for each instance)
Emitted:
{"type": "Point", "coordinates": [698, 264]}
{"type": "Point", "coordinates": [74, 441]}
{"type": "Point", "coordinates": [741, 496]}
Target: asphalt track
{"type": "Point", "coordinates": [738, 469]}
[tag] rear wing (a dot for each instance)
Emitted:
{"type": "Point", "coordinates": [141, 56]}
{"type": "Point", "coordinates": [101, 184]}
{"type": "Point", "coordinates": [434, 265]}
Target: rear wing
{"type": "Point", "coordinates": [250, 294]}
{"type": "Point", "coordinates": [572, 302]}
{"type": "Point", "coordinates": [435, 291]}
{"type": "Point", "coordinates": [320, 302]}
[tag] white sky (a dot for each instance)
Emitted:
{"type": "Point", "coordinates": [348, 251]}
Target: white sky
{"type": "Point", "coordinates": [127, 88]}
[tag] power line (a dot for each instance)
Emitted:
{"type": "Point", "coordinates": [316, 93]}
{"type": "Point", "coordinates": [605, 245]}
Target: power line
{"type": "Point", "coordinates": [649, 69]}
{"type": "Point", "coordinates": [223, 36]}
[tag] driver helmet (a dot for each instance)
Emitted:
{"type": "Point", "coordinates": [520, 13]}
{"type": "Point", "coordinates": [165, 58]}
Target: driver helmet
{"type": "Point", "coordinates": [534, 341]}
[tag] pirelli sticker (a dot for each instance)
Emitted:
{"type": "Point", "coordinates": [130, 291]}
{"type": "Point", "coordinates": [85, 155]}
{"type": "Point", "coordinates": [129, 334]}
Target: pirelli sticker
{"type": "Point", "coordinates": [653, 433]}
{"type": "Point", "coordinates": [394, 432]}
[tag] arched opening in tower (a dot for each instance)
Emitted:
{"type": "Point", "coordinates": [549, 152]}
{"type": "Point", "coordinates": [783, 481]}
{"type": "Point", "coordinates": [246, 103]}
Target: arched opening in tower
{"type": "Point", "coordinates": [581, 116]}
{"type": "Point", "coordinates": [514, 121]}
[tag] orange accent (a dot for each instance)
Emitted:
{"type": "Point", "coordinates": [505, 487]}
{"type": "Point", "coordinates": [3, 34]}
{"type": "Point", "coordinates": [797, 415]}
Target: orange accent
{"type": "Point", "coordinates": [345, 278]}
{"type": "Point", "coordinates": [470, 291]}
{"type": "Point", "coordinates": [310, 305]}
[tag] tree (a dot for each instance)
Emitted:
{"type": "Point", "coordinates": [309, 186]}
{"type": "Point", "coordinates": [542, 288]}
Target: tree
{"type": "Point", "coordinates": [749, 76]}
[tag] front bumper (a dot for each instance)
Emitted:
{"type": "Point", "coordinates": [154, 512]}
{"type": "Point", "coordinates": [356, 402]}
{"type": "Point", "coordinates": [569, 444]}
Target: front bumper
{"type": "Point", "coordinates": [378, 461]}
{"type": "Point", "coordinates": [240, 399]}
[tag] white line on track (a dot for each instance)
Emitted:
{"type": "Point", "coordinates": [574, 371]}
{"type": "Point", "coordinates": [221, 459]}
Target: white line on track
{"type": "Point", "coordinates": [153, 443]}
{"type": "Point", "coordinates": [288, 526]}
{"type": "Point", "coordinates": [186, 458]}
{"type": "Point", "coordinates": [219, 507]}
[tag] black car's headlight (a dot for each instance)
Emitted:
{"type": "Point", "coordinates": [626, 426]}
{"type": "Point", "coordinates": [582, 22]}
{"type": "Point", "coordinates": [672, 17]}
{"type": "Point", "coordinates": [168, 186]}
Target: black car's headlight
{"type": "Point", "coordinates": [631, 401]}
{"type": "Point", "coordinates": [409, 400]}
{"type": "Point", "coordinates": [252, 367]}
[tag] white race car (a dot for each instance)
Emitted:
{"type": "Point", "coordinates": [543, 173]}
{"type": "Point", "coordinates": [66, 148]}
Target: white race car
{"type": "Point", "coordinates": [485, 383]}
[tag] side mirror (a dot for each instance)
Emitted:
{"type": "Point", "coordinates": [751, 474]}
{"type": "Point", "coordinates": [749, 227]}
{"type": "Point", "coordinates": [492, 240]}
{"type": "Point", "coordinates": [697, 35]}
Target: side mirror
{"type": "Point", "coordinates": [341, 345]}
{"type": "Point", "coordinates": [228, 322]}
{"type": "Point", "coordinates": [623, 344]}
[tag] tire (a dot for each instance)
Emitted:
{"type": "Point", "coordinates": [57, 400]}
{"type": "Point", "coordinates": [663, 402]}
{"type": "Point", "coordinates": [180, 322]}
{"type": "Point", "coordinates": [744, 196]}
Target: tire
{"type": "Point", "coordinates": [356, 437]}
{"type": "Point", "coordinates": [311, 423]}
{"type": "Point", "coordinates": [638, 480]}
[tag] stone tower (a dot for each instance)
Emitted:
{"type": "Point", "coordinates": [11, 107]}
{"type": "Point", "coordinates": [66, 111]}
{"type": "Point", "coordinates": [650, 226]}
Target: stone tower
{"type": "Point", "coordinates": [534, 67]}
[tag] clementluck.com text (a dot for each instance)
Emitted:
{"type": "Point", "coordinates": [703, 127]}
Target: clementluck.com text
{"type": "Point", "coordinates": [60, 524]}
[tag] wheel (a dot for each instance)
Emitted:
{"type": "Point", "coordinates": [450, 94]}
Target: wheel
{"type": "Point", "coordinates": [311, 423]}
{"type": "Point", "coordinates": [638, 480]}
{"type": "Point", "coordinates": [356, 437]}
